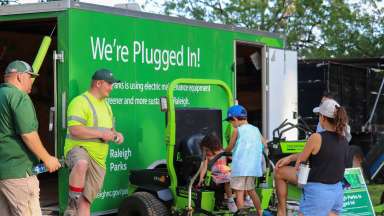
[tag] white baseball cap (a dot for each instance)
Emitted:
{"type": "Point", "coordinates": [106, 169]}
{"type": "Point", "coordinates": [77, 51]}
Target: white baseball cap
{"type": "Point", "coordinates": [327, 108]}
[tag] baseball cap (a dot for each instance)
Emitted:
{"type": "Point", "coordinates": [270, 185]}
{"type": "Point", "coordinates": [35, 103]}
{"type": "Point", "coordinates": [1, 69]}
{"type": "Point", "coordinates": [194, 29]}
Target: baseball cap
{"type": "Point", "coordinates": [327, 108]}
{"type": "Point", "coordinates": [106, 75]}
{"type": "Point", "coordinates": [236, 111]}
{"type": "Point", "coordinates": [20, 67]}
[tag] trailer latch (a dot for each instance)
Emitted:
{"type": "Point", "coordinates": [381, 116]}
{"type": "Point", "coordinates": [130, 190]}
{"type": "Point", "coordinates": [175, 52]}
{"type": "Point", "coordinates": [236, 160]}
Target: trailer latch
{"type": "Point", "coordinates": [51, 116]}
{"type": "Point", "coordinates": [58, 55]}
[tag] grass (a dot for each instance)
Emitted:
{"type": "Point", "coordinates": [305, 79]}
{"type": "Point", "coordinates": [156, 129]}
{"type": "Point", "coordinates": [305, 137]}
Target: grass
{"type": "Point", "coordinates": [375, 191]}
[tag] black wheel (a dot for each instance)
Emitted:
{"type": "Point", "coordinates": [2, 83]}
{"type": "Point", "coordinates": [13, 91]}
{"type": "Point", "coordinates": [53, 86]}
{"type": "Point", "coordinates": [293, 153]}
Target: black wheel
{"type": "Point", "coordinates": [142, 204]}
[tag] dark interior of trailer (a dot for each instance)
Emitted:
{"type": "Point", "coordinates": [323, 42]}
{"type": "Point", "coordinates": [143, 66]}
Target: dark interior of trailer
{"type": "Point", "coordinates": [249, 80]}
{"type": "Point", "coordinates": [21, 40]}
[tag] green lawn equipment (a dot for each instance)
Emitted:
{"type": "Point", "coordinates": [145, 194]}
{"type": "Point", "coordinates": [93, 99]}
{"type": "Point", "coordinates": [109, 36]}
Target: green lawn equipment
{"type": "Point", "coordinates": [278, 148]}
{"type": "Point", "coordinates": [169, 190]}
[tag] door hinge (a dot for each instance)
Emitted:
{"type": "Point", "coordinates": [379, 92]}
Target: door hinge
{"type": "Point", "coordinates": [58, 55]}
{"type": "Point", "coordinates": [51, 118]}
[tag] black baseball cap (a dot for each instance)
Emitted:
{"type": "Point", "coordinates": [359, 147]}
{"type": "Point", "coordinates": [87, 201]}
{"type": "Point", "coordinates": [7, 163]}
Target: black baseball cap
{"type": "Point", "coordinates": [106, 75]}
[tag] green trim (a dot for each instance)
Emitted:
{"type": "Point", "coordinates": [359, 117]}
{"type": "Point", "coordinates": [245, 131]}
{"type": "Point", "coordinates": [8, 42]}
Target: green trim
{"type": "Point", "coordinates": [171, 126]}
{"type": "Point", "coordinates": [292, 146]}
{"type": "Point", "coordinates": [208, 200]}
{"type": "Point", "coordinates": [265, 195]}
{"type": "Point", "coordinates": [62, 81]}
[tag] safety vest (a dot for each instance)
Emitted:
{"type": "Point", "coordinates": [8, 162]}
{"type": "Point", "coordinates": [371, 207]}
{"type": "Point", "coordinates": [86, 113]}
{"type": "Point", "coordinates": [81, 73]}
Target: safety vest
{"type": "Point", "coordinates": [96, 114]}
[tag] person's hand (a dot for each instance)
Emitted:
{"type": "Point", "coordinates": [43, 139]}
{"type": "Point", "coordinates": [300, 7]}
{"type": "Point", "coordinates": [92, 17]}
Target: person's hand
{"type": "Point", "coordinates": [200, 183]}
{"type": "Point", "coordinates": [120, 138]}
{"type": "Point", "coordinates": [52, 164]}
{"type": "Point", "coordinates": [107, 135]}
{"type": "Point", "coordinates": [297, 165]}
{"type": "Point", "coordinates": [283, 162]}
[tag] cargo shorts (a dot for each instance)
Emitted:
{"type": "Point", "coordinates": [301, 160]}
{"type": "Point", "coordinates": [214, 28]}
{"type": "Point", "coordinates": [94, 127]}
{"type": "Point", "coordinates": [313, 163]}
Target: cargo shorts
{"type": "Point", "coordinates": [243, 182]}
{"type": "Point", "coordinates": [95, 173]}
{"type": "Point", "coordinates": [20, 197]}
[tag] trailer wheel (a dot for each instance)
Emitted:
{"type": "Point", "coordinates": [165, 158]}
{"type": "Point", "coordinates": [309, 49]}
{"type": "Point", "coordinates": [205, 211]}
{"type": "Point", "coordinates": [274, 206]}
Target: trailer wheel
{"type": "Point", "coordinates": [142, 204]}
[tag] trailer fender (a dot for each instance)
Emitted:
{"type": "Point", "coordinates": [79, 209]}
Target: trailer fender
{"type": "Point", "coordinates": [164, 194]}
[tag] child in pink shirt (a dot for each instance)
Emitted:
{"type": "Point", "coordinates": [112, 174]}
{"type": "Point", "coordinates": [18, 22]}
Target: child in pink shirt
{"type": "Point", "coordinates": [221, 172]}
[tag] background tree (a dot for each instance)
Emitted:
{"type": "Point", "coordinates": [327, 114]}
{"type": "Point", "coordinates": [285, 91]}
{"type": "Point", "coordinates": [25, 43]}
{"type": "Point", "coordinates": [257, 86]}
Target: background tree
{"type": "Point", "coordinates": [5, 2]}
{"type": "Point", "coordinates": [316, 28]}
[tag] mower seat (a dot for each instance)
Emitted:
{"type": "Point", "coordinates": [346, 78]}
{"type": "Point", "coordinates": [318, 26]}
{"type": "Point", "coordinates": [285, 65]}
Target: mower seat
{"type": "Point", "coordinates": [191, 157]}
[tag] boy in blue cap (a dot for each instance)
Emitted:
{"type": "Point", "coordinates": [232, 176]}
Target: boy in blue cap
{"type": "Point", "coordinates": [246, 144]}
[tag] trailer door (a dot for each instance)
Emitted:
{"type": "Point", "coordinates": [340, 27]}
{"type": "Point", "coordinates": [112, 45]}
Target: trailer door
{"type": "Point", "coordinates": [281, 91]}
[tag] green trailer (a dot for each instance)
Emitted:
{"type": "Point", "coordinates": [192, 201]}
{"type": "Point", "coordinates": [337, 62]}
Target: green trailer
{"type": "Point", "coordinates": [147, 52]}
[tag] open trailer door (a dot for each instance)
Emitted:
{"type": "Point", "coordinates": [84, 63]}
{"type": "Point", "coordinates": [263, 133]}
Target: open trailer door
{"type": "Point", "coordinates": [281, 90]}
{"type": "Point", "coordinates": [21, 39]}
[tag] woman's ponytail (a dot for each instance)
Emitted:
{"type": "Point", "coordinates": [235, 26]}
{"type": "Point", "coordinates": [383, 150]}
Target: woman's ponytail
{"type": "Point", "coordinates": [341, 120]}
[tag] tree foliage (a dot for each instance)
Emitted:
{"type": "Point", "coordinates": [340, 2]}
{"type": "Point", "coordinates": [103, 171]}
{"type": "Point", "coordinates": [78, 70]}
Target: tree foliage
{"type": "Point", "coordinates": [316, 28]}
{"type": "Point", "coordinates": [4, 2]}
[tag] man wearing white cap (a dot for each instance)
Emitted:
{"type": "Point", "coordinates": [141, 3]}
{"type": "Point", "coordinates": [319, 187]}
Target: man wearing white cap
{"type": "Point", "coordinates": [327, 154]}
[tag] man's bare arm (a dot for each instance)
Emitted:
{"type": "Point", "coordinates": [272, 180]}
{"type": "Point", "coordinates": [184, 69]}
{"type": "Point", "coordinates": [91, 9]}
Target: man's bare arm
{"type": "Point", "coordinates": [33, 142]}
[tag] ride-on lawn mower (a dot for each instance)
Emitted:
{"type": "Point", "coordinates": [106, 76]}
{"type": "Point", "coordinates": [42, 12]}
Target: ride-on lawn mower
{"type": "Point", "coordinates": [170, 190]}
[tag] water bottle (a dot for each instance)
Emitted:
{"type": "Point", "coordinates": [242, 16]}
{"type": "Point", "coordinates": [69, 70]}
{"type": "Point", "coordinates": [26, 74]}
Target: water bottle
{"type": "Point", "coordinates": [303, 174]}
{"type": "Point", "coordinates": [41, 168]}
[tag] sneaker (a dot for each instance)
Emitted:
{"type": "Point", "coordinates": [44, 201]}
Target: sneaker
{"type": "Point", "coordinates": [242, 211]}
{"type": "Point", "coordinates": [232, 205]}
{"type": "Point", "coordinates": [69, 212]}
{"type": "Point", "coordinates": [248, 202]}
{"type": "Point", "coordinates": [71, 208]}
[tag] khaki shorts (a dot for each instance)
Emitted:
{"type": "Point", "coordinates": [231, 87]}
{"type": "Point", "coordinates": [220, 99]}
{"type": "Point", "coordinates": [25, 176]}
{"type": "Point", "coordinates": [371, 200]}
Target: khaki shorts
{"type": "Point", "coordinates": [95, 173]}
{"type": "Point", "coordinates": [243, 182]}
{"type": "Point", "coordinates": [20, 197]}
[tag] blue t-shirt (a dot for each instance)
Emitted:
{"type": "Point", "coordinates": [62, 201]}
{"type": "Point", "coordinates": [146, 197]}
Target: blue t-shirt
{"type": "Point", "coordinates": [247, 153]}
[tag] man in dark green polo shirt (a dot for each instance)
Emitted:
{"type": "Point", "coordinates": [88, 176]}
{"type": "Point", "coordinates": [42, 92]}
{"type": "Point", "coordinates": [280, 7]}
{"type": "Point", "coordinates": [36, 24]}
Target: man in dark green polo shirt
{"type": "Point", "coordinates": [20, 144]}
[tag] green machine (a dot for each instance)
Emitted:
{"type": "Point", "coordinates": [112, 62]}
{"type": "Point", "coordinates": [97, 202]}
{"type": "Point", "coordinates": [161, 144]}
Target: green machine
{"type": "Point", "coordinates": [278, 148]}
{"type": "Point", "coordinates": [170, 190]}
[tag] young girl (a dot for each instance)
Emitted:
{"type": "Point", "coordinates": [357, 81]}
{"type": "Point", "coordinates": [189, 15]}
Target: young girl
{"type": "Point", "coordinates": [220, 171]}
